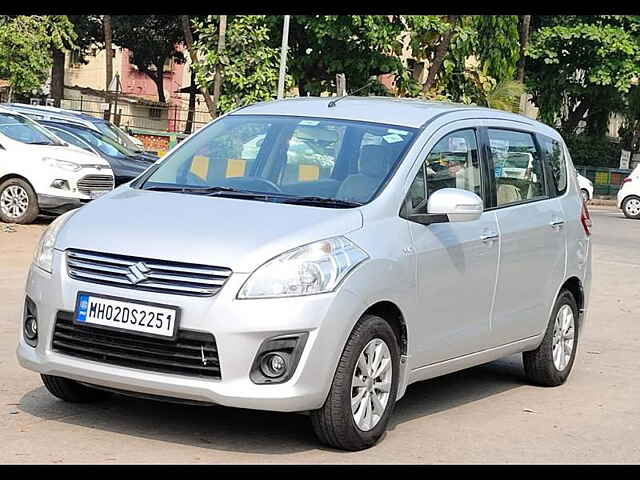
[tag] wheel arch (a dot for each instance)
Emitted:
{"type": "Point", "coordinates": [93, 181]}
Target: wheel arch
{"type": "Point", "coordinates": [574, 285]}
{"type": "Point", "coordinates": [9, 176]}
{"type": "Point", "coordinates": [392, 314]}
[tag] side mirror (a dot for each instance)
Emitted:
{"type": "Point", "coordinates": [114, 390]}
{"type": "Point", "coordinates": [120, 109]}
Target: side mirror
{"type": "Point", "coordinates": [451, 205]}
{"type": "Point", "coordinates": [457, 204]}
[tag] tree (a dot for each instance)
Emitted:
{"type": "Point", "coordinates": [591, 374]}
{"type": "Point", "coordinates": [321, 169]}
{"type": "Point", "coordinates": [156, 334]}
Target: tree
{"type": "Point", "coordinates": [498, 46]}
{"type": "Point", "coordinates": [580, 67]}
{"type": "Point", "coordinates": [87, 31]}
{"type": "Point", "coordinates": [108, 35]}
{"type": "Point", "coordinates": [26, 44]}
{"type": "Point", "coordinates": [152, 40]}
{"type": "Point", "coordinates": [322, 46]}
{"type": "Point", "coordinates": [193, 54]}
{"type": "Point", "coordinates": [524, 41]}
{"type": "Point", "coordinates": [250, 63]}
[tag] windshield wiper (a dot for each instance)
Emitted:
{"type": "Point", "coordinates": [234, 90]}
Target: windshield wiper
{"type": "Point", "coordinates": [42, 143]}
{"type": "Point", "coordinates": [310, 200]}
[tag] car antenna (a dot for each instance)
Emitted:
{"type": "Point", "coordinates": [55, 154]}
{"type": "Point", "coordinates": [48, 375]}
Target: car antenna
{"type": "Point", "coordinates": [332, 103]}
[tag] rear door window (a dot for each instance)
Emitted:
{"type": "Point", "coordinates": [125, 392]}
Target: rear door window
{"type": "Point", "coordinates": [517, 166]}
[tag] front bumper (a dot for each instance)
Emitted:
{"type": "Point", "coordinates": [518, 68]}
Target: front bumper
{"type": "Point", "coordinates": [239, 327]}
{"type": "Point", "coordinates": [58, 205]}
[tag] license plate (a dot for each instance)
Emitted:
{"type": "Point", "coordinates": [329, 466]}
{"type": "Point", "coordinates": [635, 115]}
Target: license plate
{"type": "Point", "coordinates": [96, 194]}
{"type": "Point", "coordinates": [120, 314]}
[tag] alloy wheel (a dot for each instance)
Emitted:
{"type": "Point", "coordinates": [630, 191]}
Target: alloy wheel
{"type": "Point", "coordinates": [371, 384]}
{"type": "Point", "coordinates": [563, 337]}
{"type": "Point", "coordinates": [14, 201]}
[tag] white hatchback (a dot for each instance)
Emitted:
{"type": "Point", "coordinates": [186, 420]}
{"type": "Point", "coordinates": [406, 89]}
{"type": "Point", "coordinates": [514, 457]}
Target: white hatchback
{"type": "Point", "coordinates": [629, 195]}
{"type": "Point", "coordinates": [41, 173]}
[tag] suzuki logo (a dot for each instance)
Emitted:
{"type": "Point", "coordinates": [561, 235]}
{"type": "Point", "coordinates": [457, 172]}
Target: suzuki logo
{"type": "Point", "coordinates": [137, 273]}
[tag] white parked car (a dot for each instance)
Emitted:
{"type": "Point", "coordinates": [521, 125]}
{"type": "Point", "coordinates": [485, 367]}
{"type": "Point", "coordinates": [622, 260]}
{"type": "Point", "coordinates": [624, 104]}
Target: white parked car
{"type": "Point", "coordinates": [629, 195]}
{"type": "Point", "coordinates": [586, 188]}
{"type": "Point", "coordinates": [41, 173]}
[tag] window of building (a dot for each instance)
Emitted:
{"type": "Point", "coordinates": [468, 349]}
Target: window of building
{"type": "Point", "coordinates": [155, 113]}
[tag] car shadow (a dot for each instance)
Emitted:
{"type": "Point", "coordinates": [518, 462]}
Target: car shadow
{"type": "Point", "coordinates": [261, 432]}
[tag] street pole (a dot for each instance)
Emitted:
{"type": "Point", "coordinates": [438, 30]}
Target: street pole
{"type": "Point", "coordinates": [283, 56]}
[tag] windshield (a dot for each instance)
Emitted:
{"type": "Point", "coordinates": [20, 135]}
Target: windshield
{"type": "Point", "coordinates": [101, 142]}
{"type": "Point", "coordinates": [285, 157]}
{"type": "Point", "coordinates": [117, 134]}
{"type": "Point", "coordinates": [25, 130]}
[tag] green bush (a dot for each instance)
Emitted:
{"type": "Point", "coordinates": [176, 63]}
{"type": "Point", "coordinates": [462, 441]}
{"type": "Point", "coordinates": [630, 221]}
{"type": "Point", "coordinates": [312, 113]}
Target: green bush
{"type": "Point", "coordinates": [593, 151]}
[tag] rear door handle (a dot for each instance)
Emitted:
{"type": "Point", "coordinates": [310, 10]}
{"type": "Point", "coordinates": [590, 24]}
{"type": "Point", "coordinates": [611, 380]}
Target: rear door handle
{"type": "Point", "coordinates": [485, 237]}
{"type": "Point", "coordinates": [557, 223]}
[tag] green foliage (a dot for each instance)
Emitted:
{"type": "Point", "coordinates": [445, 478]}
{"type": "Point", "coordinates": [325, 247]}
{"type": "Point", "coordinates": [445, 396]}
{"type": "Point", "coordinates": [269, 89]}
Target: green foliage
{"type": "Point", "coordinates": [321, 46]}
{"type": "Point", "coordinates": [498, 45]}
{"type": "Point", "coordinates": [25, 48]}
{"type": "Point", "coordinates": [579, 59]}
{"type": "Point", "coordinates": [152, 40]}
{"type": "Point", "coordinates": [593, 151]}
{"type": "Point", "coordinates": [251, 65]}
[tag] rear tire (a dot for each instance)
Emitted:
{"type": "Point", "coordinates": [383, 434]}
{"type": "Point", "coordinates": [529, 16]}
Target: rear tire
{"type": "Point", "coordinates": [18, 202]}
{"type": "Point", "coordinates": [335, 423]}
{"type": "Point", "coordinates": [72, 391]}
{"type": "Point", "coordinates": [549, 365]}
{"type": "Point", "coordinates": [585, 194]}
{"type": "Point", "coordinates": [631, 207]}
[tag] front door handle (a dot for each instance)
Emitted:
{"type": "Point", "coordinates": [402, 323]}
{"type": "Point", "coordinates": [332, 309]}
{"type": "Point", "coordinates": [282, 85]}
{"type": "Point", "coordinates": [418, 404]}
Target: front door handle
{"type": "Point", "coordinates": [557, 223]}
{"type": "Point", "coordinates": [485, 237]}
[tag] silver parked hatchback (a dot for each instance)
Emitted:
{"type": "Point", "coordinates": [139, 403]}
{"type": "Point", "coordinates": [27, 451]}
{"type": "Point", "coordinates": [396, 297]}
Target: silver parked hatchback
{"type": "Point", "coordinates": [303, 256]}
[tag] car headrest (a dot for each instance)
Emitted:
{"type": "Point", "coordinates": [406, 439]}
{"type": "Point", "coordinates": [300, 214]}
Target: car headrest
{"type": "Point", "coordinates": [374, 160]}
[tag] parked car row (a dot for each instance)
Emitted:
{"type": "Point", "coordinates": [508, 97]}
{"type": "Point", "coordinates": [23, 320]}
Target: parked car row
{"type": "Point", "coordinates": [82, 156]}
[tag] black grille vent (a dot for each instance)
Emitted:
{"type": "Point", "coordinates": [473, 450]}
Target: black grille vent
{"type": "Point", "coordinates": [192, 353]}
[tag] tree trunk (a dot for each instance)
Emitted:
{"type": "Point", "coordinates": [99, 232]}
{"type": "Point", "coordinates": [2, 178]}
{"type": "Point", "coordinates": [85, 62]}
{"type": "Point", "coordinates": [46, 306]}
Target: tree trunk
{"type": "Point", "coordinates": [217, 83]}
{"type": "Point", "coordinates": [575, 116]}
{"type": "Point", "coordinates": [441, 51]}
{"type": "Point", "coordinates": [158, 77]}
{"type": "Point", "coordinates": [108, 49]}
{"type": "Point", "coordinates": [524, 41]}
{"type": "Point", "coordinates": [192, 105]}
{"type": "Point", "coordinates": [57, 77]}
{"type": "Point", "coordinates": [188, 37]}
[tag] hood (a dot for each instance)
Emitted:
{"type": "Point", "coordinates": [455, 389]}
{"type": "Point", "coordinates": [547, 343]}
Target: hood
{"type": "Point", "coordinates": [70, 154]}
{"type": "Point", "coordinates": [225, 232]}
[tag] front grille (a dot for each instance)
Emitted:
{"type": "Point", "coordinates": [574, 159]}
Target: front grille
{"type": "Point", "coordinates": [146, 274]}
{"type": "Point", "coordinates": [192, 353]}
{"type": "Point", "coordinates": [95, 183]}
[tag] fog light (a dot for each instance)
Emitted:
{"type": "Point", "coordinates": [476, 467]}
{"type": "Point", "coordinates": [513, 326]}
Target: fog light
{"type": "Point", "coordinates": [273, 365]}
{"type": "Point", "coordinates": [59, 183]}
{"type": "Point", "coordinates": [30, 323]}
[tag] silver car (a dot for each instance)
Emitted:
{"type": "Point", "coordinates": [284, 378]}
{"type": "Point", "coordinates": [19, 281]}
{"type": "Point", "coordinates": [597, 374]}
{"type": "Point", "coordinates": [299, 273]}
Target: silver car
{"type": "Point", "coordinates": [270, 281]}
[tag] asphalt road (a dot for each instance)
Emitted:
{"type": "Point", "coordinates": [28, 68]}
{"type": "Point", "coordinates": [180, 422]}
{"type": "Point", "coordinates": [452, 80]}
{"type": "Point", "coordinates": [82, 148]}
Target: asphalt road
{"type": "Point", "coordinates": [487, 414]}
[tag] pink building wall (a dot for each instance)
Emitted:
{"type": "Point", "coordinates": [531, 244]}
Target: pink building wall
{"type": "Point", "coordinates": [140, 85]}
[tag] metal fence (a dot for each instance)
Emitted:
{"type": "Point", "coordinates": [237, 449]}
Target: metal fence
{"type": "Point", "coordinates": [166, 118]}
{"type": "Point", "coordinates": [606, 181]}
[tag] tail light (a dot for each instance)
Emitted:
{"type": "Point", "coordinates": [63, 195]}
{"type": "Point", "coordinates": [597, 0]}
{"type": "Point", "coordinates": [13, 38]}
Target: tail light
{"type": "Point", "coordinates": [628, 179]}
{"type": "Point", "coordinates": [585, 219]}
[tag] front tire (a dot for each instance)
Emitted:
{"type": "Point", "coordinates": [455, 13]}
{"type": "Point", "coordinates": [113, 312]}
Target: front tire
{"type": "Point", "coordinates": [72, 391]}
{"type": "Point", "coordinates": [631, 207]}
{"type": "Point", "coordinates": [363, 393]}
{"type": "Point", "coordinates": [18, 202]}
{"type": "Point", "coordinates": [549, 365]}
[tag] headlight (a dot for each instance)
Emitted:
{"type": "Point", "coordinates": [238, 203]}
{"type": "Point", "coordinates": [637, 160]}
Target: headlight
{"type": "Point", "coordinates": [314, 268]}
{"type": "Point", "coordinates": [63, 164]}
{"type": "Point", "coordinates": [43, 256]}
